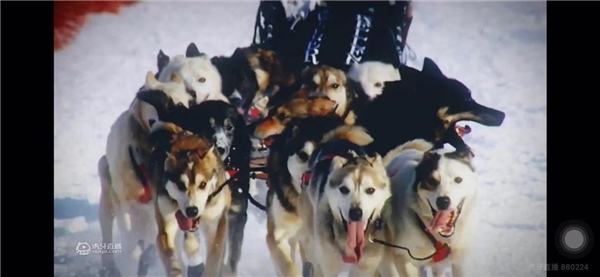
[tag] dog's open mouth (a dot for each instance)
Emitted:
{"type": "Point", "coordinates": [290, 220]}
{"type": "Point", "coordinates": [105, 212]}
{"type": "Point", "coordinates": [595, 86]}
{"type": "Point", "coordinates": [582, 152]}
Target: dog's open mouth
{"type": "Point", "coordinates": [444, 221]}
{"type": "Point", "coordinates": [185, 223]}
{"type": "Point", "coordinates": [269, 140]}
{"type": "Point", "coordinates": [355, 238]}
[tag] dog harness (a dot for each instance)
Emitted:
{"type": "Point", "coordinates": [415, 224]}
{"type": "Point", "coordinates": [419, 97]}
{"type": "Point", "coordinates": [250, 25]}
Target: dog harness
{"type": "Point", "coordinates": [141, 170]}
{"type": "Point", "coordinates": [306, 176]}
{"type": "Point", "coordinates": [441, 250]}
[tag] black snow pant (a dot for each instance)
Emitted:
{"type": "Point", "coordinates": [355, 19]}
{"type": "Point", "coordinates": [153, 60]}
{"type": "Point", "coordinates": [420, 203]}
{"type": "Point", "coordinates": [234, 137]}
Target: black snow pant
{"type": "Point", "coordinates": [338, 34]}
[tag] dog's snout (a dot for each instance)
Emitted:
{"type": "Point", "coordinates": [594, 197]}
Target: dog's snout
{"type": "Point", "coordinates": [355, 214]}
{"type": "Point", "coordinates": [221, 150]}
{"type": "Point", "coordinates": [443, 202]}
{"type": "Point", "coordinates": [303, 156]}
{"type": "Point", "coordinates": [191, 211]}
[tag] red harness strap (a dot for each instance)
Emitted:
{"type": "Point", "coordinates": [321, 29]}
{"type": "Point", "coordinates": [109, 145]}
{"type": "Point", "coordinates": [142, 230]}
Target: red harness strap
{"type": "Point", "coordinates": [232, 173]}
{"type": "Point", "coordinates": [141, 170]}
{"type": "Point", "coordinates": [306, 176]}
{"type": "Point", "coordinates": [147, 196]}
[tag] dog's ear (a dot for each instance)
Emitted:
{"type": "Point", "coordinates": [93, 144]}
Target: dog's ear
{"type": "Point", "coordinates": [161, 60]}
{"type": "Point", "coordinates": [176, 78]}
{"type": "Point", "coordinates": [425, 168]}
{"type": "Point", "coordinates": [203, 151]}
{"type": "Point", "coordinates": [238, 53]}
{"type": "Point", "coordinates": [163, 133]}
{"type": "Point", "coordinates": [336, 163]}
{"type": "Point", "coordinates": [145, 113]}
{"type": "Point", "coordinates": [463, 155]}
{"type": "Point", "coordinates": [377, 160]}
{"type": "Point", "coordinates": [192, 51]}
{"type": "Point", "coordinates": [430, 155]}
{"type": "Point", "coordinates": [306, 72]}
{"type": "Point", "coordinates": [151, 82]}
{"type": "Point", "coordinates": [430, 67]}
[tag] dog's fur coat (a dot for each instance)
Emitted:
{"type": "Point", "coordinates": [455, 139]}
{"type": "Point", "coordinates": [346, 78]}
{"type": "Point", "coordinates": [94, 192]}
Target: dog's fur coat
{"type": "Point", "coordinates": [424, 104]}
{"type": "Point", "coordinates": [121, 187]}
{"type": "Point", "coordinates": [191, 195]}
{"type": "Point", "coordinates": [344, 179]}
{"type": "Point", "coordinates": [287, 162]}
{"type": "Point", "coordinates": [438, 188]}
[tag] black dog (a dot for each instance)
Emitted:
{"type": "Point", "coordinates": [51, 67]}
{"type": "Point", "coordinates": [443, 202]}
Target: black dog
{"type": "Point", "coordinates": [221, 121]}
{"type": "Point", "coordinates": [424, 104]}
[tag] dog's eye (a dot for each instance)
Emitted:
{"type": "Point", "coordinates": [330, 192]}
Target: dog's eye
{"type": "Point", "coordinates": [229, 128]}
{"type": "Point", "coordinates": [378, 85]}
{"type": "Point", "coordinates": [458, 180]}
{"type": "Point", "coordinates": [202, 80]}
{"type": "Point", "coordinates": [282, 116]}
{"type": "Point", "coordinates": [303, 156]}
{"type": "Point", "coordinates": [344, 190]}
{"type": "Point", "coordinates": [202, 185]}
{"type": "Point", "coordinates": [370, 191]}
{"type": "Point", "coordinates": [335, 86]}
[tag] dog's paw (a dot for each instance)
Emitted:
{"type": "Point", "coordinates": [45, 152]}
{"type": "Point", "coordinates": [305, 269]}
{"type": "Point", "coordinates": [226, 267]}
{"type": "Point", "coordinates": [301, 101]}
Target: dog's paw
{"type": "Point", "coordinates": [307, 269]}
{"type": "Point", "coordinates": [195, 271]}
{"type": "Point", "coordinates": [147, 259]}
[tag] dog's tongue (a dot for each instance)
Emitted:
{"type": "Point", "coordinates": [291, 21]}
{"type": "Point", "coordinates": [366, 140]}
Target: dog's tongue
{"type": "Point", "coordinates": [439, 220]}
{"type": "Point", "coordinates": [355, 240]}
{"type": "Point", "coordinates": [185, 223]}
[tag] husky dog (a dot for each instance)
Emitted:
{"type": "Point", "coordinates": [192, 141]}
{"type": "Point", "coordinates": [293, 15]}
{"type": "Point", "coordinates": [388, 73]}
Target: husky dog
{"type": "Point", "coordinates": [326, 81]}
{"type": "Point", "coordinates": [431, 208]}
{"type": "Point", "coordinates": [126, 187]}
{"type": "Point", "coordinates": [287, 162]}
{"type": "Point", "coordinates": [342, 203]}
{"type": "Point", "coordinates": [192, 191]}
{"type": "Point", "coordinates": [201, 78]}
{"type": "Point", "coordinates": [220, 121]}
{"type": "Point", "coordinates": [372, 75]}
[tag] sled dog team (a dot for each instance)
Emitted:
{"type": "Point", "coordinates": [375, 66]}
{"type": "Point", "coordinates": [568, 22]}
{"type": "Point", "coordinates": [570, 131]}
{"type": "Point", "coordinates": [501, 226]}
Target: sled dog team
{"type": "Point", "coordinates": [356, 171]}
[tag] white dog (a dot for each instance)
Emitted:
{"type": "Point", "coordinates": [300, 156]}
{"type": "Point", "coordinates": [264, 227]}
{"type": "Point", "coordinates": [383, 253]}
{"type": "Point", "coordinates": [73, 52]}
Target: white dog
{"type": "Point", "coordinates": [372, 75]}
{"type": "Point", "coordinates": [431, 208]}
{"type": "Point", "coordinates": [201, 78]}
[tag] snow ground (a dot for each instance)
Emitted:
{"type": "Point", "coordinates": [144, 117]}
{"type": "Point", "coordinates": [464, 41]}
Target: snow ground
{"type": "Point", "coordinates": [497, 49]}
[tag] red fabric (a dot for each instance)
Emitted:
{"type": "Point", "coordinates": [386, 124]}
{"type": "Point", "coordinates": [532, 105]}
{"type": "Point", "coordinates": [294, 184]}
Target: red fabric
{"type": "Point", "coordinates": [70, 16]}
{"type": "Point", "coordinates": [232, 173]}
{"type": "Point", "coordinates": [306, 178]}
{"type": "Point", "coordinates": [462, 131]}
{"type": "Point", "coordinates": [147, 196]}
